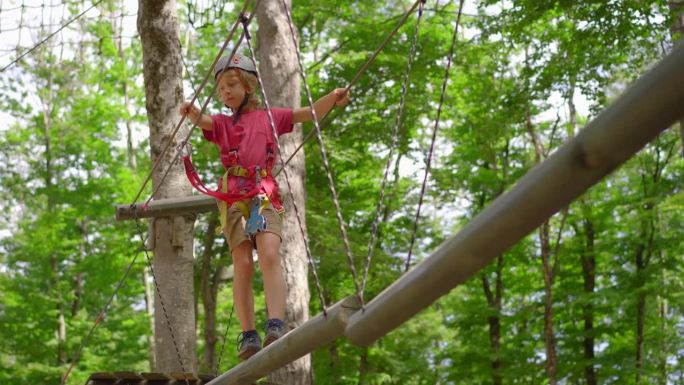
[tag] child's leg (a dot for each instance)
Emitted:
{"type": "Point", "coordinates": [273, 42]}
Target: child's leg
{"type": "Point", "coordinates": [275, 289]}
{"type": "Point", "coordinates": [242, 285]}
{"type": "Point", "coordinates": [243, 267]}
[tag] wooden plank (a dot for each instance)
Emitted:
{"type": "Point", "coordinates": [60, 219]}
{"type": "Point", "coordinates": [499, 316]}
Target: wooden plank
{"type": "Point", "coordinates": [314, 333]}
{"type": "Point", "coordinates": [155, 376]}
{"type": "Point", "coordinates": [182, 375]}
{"type": "Point", "coordinates": [650, 106]}
{"type": "Point", "coordinates": [102, 376]}
{"type": "Point", "coordinates": [167, 207]}
{"type": "Point", "coordinates": [128, 376]}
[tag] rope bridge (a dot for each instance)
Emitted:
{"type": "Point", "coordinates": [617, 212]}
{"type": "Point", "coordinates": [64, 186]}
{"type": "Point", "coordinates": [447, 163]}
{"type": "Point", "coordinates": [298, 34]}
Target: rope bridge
{"type": "Point", "coordinates": [650, 106]}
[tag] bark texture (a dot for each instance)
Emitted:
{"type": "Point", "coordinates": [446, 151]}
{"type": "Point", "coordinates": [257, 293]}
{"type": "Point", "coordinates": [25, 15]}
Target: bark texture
{"type": "Point", "coordinates": [175, 340]}
{"type": "Point", "coordinates": [280, 72]}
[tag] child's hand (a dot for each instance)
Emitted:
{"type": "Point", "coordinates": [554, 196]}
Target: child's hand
{"type": "Point", "coordinates": [187, 109]}
{"type": "Point", "coordinates": [341, 96]}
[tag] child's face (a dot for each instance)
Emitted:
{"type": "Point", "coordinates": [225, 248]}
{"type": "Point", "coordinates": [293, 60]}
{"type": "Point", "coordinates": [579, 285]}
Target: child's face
{"type": "Point", "coordinates": [231, 90]}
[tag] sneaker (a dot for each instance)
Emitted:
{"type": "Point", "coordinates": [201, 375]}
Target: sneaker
{"type": "Point", "coordinates": [275, 329]}
{"type": "Point", "coordinates": [248, 344]}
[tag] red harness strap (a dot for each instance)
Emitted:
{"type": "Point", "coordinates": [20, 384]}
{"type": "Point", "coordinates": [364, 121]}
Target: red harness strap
{"type": "Point", "coordinates": [266, 185]}
{"type": "Point", "coordinates": [197, 183]}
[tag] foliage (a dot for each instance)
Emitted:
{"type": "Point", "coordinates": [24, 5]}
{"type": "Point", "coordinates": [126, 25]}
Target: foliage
{"type": "Point", "coordinates": [526, 69]}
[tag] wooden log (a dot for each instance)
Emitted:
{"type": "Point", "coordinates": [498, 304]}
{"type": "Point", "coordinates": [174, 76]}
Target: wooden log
{"type": "Point", "coordinates": [313, 334]}
{"type": "Point", "coordinates": [650, 106]}
{"type": "Point", "coordinates": [167, 207]}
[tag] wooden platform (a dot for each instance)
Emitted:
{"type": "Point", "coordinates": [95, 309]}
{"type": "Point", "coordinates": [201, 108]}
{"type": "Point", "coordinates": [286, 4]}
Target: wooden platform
{"type": "Point", "coordinates": [131, 378]}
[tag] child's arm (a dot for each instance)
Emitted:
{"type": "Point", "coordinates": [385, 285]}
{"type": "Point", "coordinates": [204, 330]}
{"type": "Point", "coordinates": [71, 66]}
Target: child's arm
{"type": "Point", "coordinates": [338, 97]}
{"type": "Point", "coordinates": [193, 113]}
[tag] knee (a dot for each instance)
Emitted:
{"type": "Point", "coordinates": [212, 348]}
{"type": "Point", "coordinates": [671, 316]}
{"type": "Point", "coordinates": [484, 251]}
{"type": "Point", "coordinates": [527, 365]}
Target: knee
{"type": "Point", "coordinates": [269, 259]}
{"type": "Point", "coordinates": [243, 264]}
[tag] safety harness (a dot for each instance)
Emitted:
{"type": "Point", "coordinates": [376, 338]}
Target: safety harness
{"type": "Point", "coordinates": [250, 202]}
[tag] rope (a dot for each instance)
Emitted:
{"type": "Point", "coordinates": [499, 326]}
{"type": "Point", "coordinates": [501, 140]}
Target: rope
{"type": "Point", "coordinates": [324, 156]}
{"type": "Point", "coordinates": [434, 136]}
{"type": "Point", "coordinates": [358, 73]}
{"type": "Point", "coordinates": [225, 336]}
{"type": "Point", "coordinates": [395, 130]}
{"type": "Point", "coordinates": [287, 178]}
{"type": "Point", "coordinates": [49, 36]}
{"type": "Point", "coordinates": [99, 319]}
{"type": "Point", "coordinates": [161, 301]}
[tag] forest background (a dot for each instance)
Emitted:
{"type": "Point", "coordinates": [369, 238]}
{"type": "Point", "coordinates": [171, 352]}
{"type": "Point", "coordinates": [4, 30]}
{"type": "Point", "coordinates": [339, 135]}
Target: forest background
{"type": "Point", "coordinates": [594, 296]}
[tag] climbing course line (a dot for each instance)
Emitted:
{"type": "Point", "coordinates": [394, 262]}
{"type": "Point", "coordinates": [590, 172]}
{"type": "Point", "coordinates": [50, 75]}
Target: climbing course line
{"type": "Point", "coordinates": [287, 178]}
{"type": "Point", "coordinates": [161, 301]}
{"type": "Point", "coordinates": [358, 73]}
{"type": "Point", "coordinates": [434, 136]}
{"type": "Point", "coordinates": [50, 36]}
{"type": "Point", "coordinates": [100, 317]}
{"type": "Point", "coordinates": [395, 130]}
{"type": "Point", "coordinates": [324, 156]}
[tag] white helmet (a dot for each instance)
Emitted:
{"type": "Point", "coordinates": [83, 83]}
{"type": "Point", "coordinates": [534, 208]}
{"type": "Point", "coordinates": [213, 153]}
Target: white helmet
{"type": "Point", "coordinates": [237, 61]}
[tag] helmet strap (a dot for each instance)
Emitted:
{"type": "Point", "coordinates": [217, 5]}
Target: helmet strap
{"type": "Point", "coordinates": [237, 113]}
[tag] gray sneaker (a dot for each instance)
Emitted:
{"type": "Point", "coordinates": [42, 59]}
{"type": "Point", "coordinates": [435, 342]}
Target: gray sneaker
{"type": "Point", "coordinates": [275, 329]}
{"type": "Point", "coordinates": [248, 344]}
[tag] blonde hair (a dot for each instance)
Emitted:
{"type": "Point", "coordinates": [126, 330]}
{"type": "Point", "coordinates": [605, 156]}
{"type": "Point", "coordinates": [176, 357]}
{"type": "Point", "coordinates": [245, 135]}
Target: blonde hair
{"type": "Point", "coordinates": [250, 83]}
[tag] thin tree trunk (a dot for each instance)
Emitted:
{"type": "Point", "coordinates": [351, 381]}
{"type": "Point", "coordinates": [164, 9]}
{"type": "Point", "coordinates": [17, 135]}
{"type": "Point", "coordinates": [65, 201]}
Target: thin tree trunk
{"type": "Point", "coordinates": [494, 301]}
{"type": "Point", "coordinates": [175, 337]}
{"type": "Point", "coordinates": [364, 367]}
{"type": "Point", "coordinates": [589, 276]}
{"type": "Point", "coordinates": [641, 259]}
{"type": "Point", "coordinates": [551, 360]}
{"type": "Point", "coordinates": [209, 292]}
{"type": "Point", "coordinates": [78, 278]}
{"type": "Point", "coordinates": [641, 313]}
{"type": "Point", "coordinates": [548, 272]}
{"type": "Point", "coordinates": [677, 30]}
{"type": "Point", "coordinates": [588, 261]}
{"type": "Point", "coordinates": [47, 106]}
{"type": "Point", "coordinates": [664, 348]}
{"type": "Point", "coordinates": [149, 309]}
{"type": "Point", "coordinates": [279, 68]}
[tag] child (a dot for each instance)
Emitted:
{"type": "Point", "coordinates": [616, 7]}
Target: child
{"type": "Point", "coordinates": [248, 151]}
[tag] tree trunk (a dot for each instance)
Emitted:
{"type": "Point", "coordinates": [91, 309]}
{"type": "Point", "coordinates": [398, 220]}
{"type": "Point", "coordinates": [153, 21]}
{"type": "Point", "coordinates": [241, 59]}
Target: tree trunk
{"type": "Point", "coordinates": [209, 291]}
{"type": "Point", "coordinates": [548, 271]}
{"type": "Point", "coordinates": [641, 313]}
{"type": "Point", "coordinates": [549, 340]}
{"type": "Point", "coordinates": [664, 342]}
{"type": "Point", "coordinates": [364, 366]}
{"type": "Point", "coordinates": [677, 30]}
{"type": "Point", "coordinates": [149, 309]}
{"type": "Point", "coordinates": [175, 339]}
{"type": "Point", "coordinates": [641, 260]}
{"type": "Point", "coordinates": [280, 72]}
{"type": "Point", "coordinates": [589, 276]}
{"type": "Point", "coordinates": [494, 300]}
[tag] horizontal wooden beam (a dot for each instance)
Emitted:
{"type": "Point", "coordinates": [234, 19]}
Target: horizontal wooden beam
{"type": "Point", "coordinates": [650, 106]}
{"type": "Point", "coordinates": [167, 207]}
{"type": "Point", "coordinates": [314, 333]}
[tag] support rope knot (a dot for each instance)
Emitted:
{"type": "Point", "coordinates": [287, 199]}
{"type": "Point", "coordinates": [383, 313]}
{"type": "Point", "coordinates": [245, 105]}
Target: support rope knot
{"type": "Point", "coordinates": [245, 19]}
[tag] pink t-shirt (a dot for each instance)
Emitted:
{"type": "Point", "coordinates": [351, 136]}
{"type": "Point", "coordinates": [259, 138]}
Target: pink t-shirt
{"type": "Point", "coordinates": [252, 135]}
